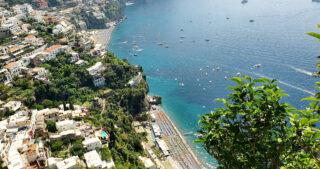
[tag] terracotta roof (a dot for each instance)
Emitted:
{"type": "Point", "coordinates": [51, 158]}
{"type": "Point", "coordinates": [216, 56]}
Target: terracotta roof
{"type": "Point", "coordinates": [10, 65]}
{"type": "Point", "coordinates": [32, 150]}
{"type": "Point", "coordinates": [13, 49]}
{"type": "Point", "coordinates": [52, 48]}
{"type": "Point", "coordinates": [63, 39]}
{"type": "Point", "coordinates": [30, 36]}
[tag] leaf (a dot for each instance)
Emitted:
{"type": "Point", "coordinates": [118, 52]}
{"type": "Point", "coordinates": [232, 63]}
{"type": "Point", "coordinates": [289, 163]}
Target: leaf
{"type": "Point", "coordinates": [236, 79]}
{"type": "Point", "coordinates": [310, 99]}
{"type": "Point", "coordinates": [316, 35]}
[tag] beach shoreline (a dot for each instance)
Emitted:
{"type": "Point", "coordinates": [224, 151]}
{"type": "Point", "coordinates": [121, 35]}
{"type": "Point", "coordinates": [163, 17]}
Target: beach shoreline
{"type": "Point", "coordinates": [195, 158]}
{"type": "Point", "coordinates": [103, 36]}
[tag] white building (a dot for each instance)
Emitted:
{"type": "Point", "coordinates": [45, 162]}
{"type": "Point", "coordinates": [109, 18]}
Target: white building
{"type": "Point", "coordinates": [92, 143]}
{"type": "Point", "coordinates": [22, 9]}
{"type": "Point", "coordinates": [51, 52]}
{"type": "Point", "coordinates": [20, 119]}
{"type": "Point", "coordinates": [5, 76]}
{"type": "Point", "coordinates": [96, 69]}
{"type": "Point", "coordinates": [15, 160]}
{"type": "Point", "coordinates": [69, 163]}
{"type": "Point", "coordinates": [13, 68]}
{"type": "Point", "coordinates": [52, 162]}
{"type": "Point", "coordinates": [66, 125]}
{"type": "Point", "coordinates": [99, 81]}
{"type": "Point", "coordinates": [13, 105]}
{"type": "Point", "coordinates": [93, 159]}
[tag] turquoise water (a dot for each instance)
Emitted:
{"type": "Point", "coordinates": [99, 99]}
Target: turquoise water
{"type": "Point", "coordinates": [276, 40]}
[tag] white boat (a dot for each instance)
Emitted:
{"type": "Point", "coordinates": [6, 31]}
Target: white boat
{"type": "Point", "coordinates": [238, 74]}
{"type": "Point", "coordinates": [181, 84]}
{"type": "Point", "coordinates": [226, 77]}
{"type": "Point", "coordinates": [217, 68]}
{"type": "Point", "coordinates": [210, 81]}
{"type": "Point", "coordinates": [257, 65]}
{"type": "Point", "coordinates": [181, 41]}
{"type": "Point", "coordinates": [175, 79]}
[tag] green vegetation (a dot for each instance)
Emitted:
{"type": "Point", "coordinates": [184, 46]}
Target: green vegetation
{"type": "Point", "coordinates": [105, 154]}
{"type": "Point", "coordinates": [256, 130]}
{"type": "Point", "coordinates": [51, 126]}
{"type": "Point", "coordinates": [77, 148]}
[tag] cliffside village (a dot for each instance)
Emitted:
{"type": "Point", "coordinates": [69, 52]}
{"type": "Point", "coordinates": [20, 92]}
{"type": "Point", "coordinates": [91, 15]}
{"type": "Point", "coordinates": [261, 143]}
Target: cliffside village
{"type": "Point", "coordinates": [21, 143]}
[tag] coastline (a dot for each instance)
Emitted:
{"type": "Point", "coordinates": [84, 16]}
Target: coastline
{"type": "Point", "coordinates": [103, 36]}
{"type": "Point", "coordinates": [195, 158]}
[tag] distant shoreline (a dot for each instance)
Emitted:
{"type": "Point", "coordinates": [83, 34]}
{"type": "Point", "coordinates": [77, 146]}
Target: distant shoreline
{"type": "Point", "coordinates": [195, 158]}
{"type": "Point", "coordinates": [103, 36]}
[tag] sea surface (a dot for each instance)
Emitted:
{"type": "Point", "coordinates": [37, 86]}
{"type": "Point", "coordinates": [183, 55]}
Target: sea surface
{"type": "Point", "coordinates": [218, 34]}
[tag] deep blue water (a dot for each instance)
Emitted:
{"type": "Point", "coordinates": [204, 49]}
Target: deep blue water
{"type": "Point", "coordinates": [276, 40]}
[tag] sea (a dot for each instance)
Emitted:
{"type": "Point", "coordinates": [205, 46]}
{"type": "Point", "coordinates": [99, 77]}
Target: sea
{"type": "Point", "coordinates": [189, 50]}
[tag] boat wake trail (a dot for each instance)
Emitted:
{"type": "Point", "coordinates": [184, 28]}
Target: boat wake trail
{"type": "Point", "coordinates": [287, 84]}
{"type": "Point", "coordinates": [301, 70]}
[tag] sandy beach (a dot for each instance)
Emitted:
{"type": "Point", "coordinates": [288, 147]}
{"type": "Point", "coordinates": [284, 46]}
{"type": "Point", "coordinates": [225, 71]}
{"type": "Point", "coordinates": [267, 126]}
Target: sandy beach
{"type": "Point", "coordinates": [103, 36]}
{"type": "Point", "coordinates": [183, 140]}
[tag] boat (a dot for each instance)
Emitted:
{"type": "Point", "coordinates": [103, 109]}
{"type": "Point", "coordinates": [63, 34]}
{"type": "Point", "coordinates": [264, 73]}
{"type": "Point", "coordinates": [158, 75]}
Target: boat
{"type": "Point", "coordinates": [251, 20]}
{"type": "Point", "coordinates": [207, 66]}
{"type": "Point", "coordinates": [182, 37]}
{"type": "Point", "coordinates": [210, 81]}
{"type": "Point", "coordinates": [160, 44]}
{"type": "Point", "coordinates": [198, 79]}
{"type": "Point", "coordinates": [238, 74]}
{"type": "Point", "coordinates": [227, 18]}
{"type": "Point", "coordinates": [135, 54]}
{"type": "Point", "coordinates": [200, 69]}
{"type": "Point", "coordinates": [125, 41]}
{"type": "Point", "coordinates": [198, 135]}
{"type": "Point", "coordinates": [207, 40]}
{"type": "Point", "coordinates": [257, 65]}
{"type": "Point", "coordinates": [181, 41]}
{"type": "Point", "coordinates": [181, 84]}
{"type": "Point", "coordinates": [175, 79]}
{"type": "Point", "coordinates": [225, 77]}
{"type": "Point", "coordinates": [203, 88]}
{"type": "Point", "coordinates": [181, 29]}
{"type": "Point", "coordinates": [167, 46]}
{"type": "Point", "coordinates": [218, 68]}
{"type": "Point", "coordinates": [188, 133]}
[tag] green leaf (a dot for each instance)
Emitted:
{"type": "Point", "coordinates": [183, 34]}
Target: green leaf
{"type": "Point", "coordinates": [310, 99]}
{"type": "Point", "coordinates": [236, 79]}
{"type": "Point", "coordinates": [316, 35]}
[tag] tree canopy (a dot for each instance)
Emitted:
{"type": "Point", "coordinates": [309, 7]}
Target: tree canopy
{"type": "Point", "coordinates": [255, 129]}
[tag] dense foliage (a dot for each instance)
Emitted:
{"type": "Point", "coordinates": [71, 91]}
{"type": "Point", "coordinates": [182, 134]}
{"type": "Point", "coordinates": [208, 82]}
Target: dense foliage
{"type": "Point", "coordinates": [256, 130]}
{"type": "Point", "coordinates": [51, 126]}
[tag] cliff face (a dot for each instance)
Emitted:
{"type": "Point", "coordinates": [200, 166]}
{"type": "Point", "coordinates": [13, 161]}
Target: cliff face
{"type": "Point", "coordinates": [96, 17]}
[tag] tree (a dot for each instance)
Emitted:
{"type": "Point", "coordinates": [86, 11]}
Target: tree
{"type": "Point", "coordinates": [105, 154]}
{"type": "Point", "coordinates": [256, 130]}
{"type": "Point", "coordinates": [77, 148]}
{"type": "Point", "coordinates": [56, 146]}
{"type": "Point", "coordinates": [51, 126]}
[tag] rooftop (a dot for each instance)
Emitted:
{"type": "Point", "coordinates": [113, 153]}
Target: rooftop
{"type": "Point", "coordinates": [52, 48]}
{"type": "Point", "coordinates": [93, 159]}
